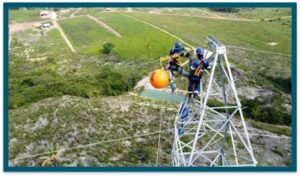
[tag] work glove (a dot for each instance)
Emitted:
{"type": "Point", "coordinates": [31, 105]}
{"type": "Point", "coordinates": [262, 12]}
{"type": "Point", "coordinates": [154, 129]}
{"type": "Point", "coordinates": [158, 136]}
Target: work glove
{"type": "Point", "coordinates": [209, 67]}
{"type": "Point", "coordinates": [187, 49]}
{"type": "Point", "coordinates": [187, 55]}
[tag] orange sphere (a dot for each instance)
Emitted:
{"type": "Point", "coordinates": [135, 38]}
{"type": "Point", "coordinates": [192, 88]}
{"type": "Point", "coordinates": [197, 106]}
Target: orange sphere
{"type": "Point", "coordinates": [159, 78]}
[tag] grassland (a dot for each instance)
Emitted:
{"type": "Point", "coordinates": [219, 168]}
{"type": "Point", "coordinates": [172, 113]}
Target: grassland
{"type": "Point", "coordinates": [70, 121]}
{"type": "Point", "coordinates": [19, 16]}
{"type": "Point", "coordinates": [86, 35]}
{"type": "Point", "coordinates": [255, 35]}
{"type": "Point", "coordinates": [280, 130]}
{"type": "Point", "coordinates": [243, 14]}
{"type": "Point", "coordinates": [138, 40]}
{"type": "Point", "coordinates": [32, 49]}
{"type": "Point", "coordinates": [256, 13]}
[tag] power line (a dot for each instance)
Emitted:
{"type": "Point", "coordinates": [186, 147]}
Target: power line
{"type": "Point", "coordinates": [89, 145]}
{"type": "Point", "coordinates": [263, 51]}
{"type": "Point", "coordinates": [158, 141]}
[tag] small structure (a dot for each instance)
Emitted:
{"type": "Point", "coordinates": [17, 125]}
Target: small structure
{"type": "Point", "coordinates": [44, 14]}
{"type": "Point", "coordinates": [46, 26]}
{"type": "Point", "coordinates": [108, 9]}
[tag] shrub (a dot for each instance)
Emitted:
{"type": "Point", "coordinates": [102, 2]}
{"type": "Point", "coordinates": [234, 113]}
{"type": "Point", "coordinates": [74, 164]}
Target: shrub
{"type": "Point", "coordinates": [267, 109]}
{"type": "Point", "coordinates": [107, 48]}
{"type": "Point", "coordinates": [107, 82]}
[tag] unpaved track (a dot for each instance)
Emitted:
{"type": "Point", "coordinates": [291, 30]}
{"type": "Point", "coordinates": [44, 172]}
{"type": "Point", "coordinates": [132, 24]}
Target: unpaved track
{"type": "Point", "coordinates": [73, 14]}
{"type": "Point", "coordinates": [156, 27]}
{"type": "Point", "coordinates": [17, 27]}
{"type": "Point", "coordinates": [195, 16]}
{"type": "Point", "coordinates": [181, 40]}
{"type": "Point", "coordinates": [211, 14]}
{"type": "Point", "coordinates": [55, 24]}
{"type": "Point", "coordinates": [105, 26]}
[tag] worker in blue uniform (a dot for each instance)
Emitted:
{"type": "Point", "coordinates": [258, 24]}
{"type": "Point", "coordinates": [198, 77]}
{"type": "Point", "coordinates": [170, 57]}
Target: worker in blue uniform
{"type": "Point", "coordinates": [174, 66]}
{"type": "Point", "coordinates": [197, 67]}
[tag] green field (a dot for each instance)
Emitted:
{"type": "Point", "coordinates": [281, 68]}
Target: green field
{"type": "Point", "coordinates": [257, 13]}
{"type": "Point", "coordinates": [138, 40]}
{"type": "Point", "coordinates": [19, 16]}
{"type": "Point", "coordinates": [86, 35]}
{"type": "Point", "coordinates": [244, 13]}
{"type": "Point", "coordinates": [254, 35]}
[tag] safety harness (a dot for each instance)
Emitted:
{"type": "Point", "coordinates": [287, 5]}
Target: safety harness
{"type": "Point", "coordinates": [197, 72]}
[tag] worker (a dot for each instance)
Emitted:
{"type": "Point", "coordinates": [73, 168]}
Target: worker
{"type": "Point", "coordinates": [174, 66]}
{"type": "Point", "coordinates": [197, 67]}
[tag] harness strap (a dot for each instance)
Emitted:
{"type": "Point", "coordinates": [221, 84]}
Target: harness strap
{"type": "Point", "coordinates": [198, 69]}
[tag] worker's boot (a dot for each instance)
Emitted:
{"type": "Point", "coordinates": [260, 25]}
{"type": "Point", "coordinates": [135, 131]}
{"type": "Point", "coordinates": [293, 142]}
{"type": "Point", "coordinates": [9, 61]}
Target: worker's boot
{"type": "Point", "coordinates": [191, 97]}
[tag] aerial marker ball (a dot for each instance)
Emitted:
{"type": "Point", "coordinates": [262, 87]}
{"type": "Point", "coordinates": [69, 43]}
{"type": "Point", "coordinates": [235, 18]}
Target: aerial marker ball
{"type": "Point", "coordinates": [159, 78]}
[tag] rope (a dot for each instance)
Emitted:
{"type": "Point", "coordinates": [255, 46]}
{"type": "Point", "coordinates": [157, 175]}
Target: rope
{"type": "Point", "coordinates": [263, 51]}
{"type": "Point", "coordinates": [89, 145]}
{"type": "Point", "coordinates": [158, 142]}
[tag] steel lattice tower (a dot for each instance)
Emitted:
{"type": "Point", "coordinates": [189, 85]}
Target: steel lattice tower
{"type": "Point", "coordinates": [213, 135]}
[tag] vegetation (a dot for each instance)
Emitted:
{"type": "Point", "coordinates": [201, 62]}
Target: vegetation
{"type": "Point", "coordinates": [280, 130]}
{"type": "Point", "coordinates": [107, 82]}
{"type": "Point", "coordinates": [271, 109]}
{"type": "Point", "coordinates": [227, 10]}
{"type": "Point", "coordinates": [84, 121]}
{"type": "Point", "coordinates": [107, 48]}
{"type": "Point", "coordinates": [138, 40]}
{"type": "Point", "coordinates": [24, 15]}
{"type": "Point", "coordinates": [263, 13]}
{"type": "Point", "coordinates": [52, 158]}
{"type": "Point", "coordinates": [259, 34]}
{"type": "Point", "coordinates": [85, 34]}
{"type": "Point", "coordinates": [282, 83]}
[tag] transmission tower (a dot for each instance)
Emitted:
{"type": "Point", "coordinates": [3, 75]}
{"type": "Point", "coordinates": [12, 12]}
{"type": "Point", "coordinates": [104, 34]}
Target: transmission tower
{"type": "Point", "coordinates": [213, 135]}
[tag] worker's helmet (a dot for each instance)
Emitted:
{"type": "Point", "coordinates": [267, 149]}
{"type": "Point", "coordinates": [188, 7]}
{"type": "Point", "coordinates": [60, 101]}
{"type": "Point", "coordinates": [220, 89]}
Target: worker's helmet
{"type": "Point", "coordinates": [178, 45]}
{"type": "Point", "coordinates": [199, 51]}
{"type": "Point", "coordinates": [159, 78]}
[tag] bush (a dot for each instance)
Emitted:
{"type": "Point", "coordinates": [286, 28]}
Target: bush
{"type": "Point", "coordinates": [107, 82]}
{"type": "Point", "coordinates": [267, 109]}
{"type": "Point", "coordinates": [107, 48]}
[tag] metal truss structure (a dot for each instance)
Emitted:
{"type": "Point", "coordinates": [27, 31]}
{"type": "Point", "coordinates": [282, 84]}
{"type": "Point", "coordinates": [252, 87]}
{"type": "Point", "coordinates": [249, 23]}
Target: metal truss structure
{"type": "Point", "coordinates": [214, 135]}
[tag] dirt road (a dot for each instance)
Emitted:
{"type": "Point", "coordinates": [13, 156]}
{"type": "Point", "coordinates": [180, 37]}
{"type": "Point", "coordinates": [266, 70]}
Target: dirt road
{"type": "Point", "coordinates": [55, 24]}
{"type": "Point", "coordinates": [108, 28]}
{"type": "Point", "coordinates": [73, 14]}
